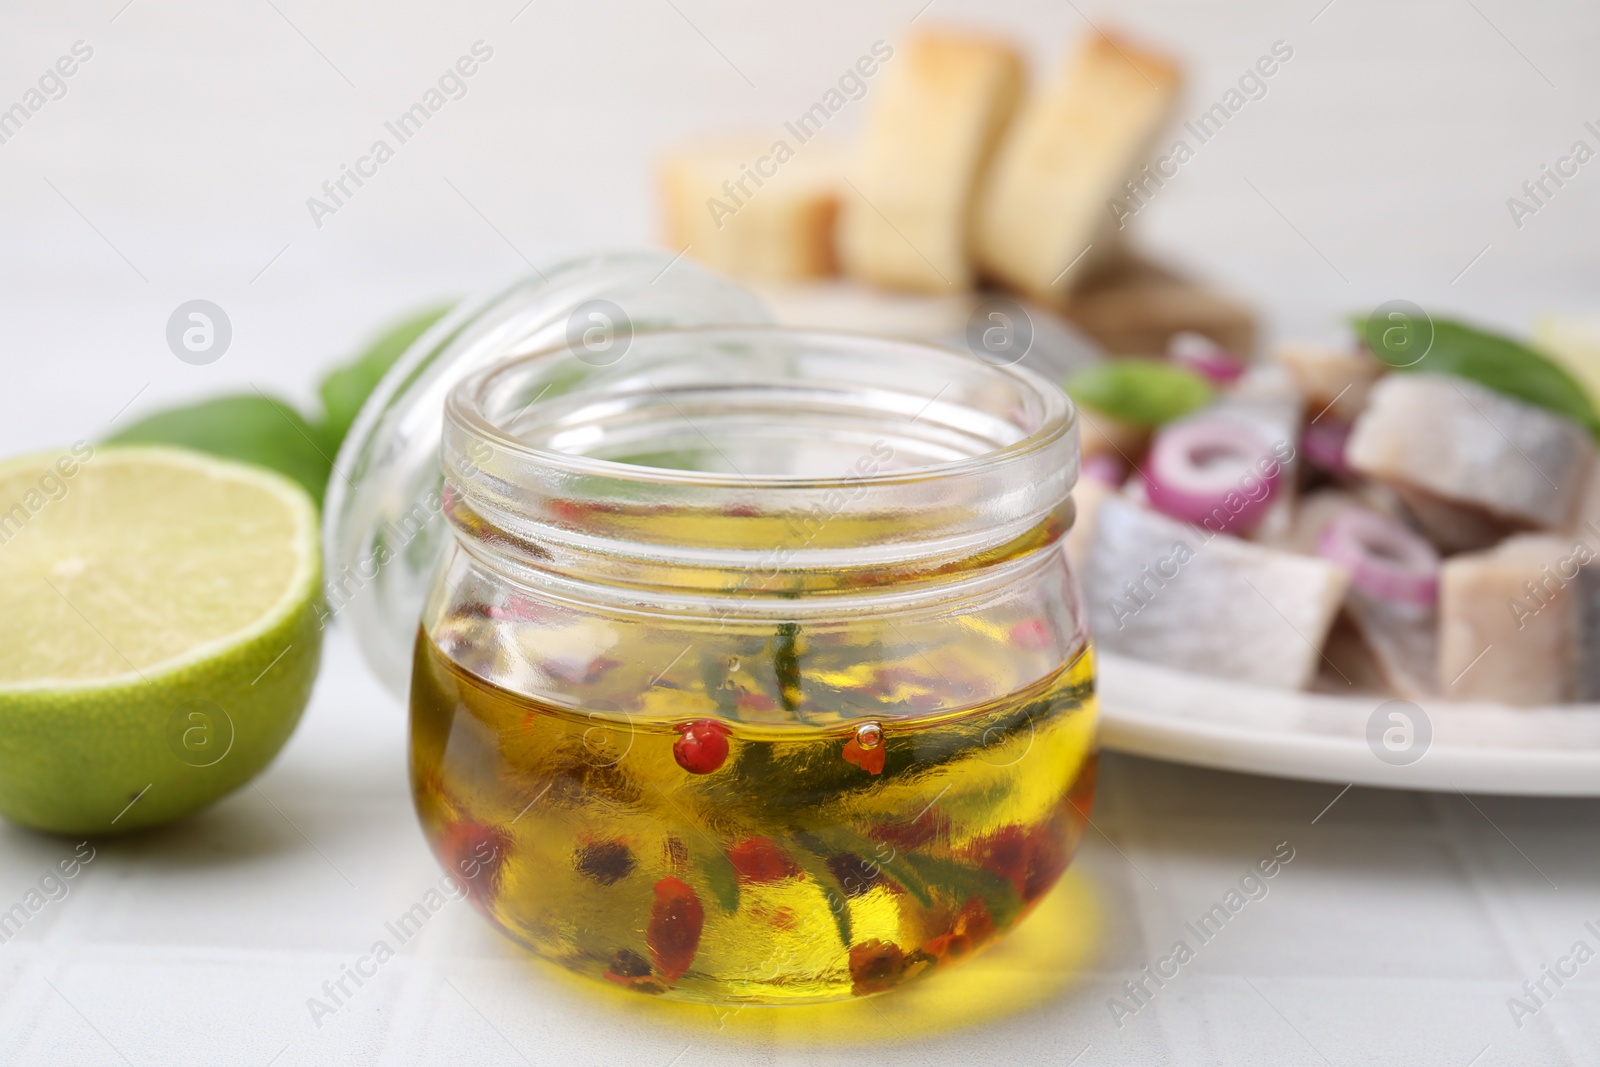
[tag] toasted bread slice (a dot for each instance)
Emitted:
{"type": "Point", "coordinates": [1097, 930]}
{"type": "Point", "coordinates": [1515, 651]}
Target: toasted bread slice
{"type": "Point", "coordinates": [753, 207]}
{"type": "Point", "coordinates": [842, 304]}
{"type": "Point", "coordinates": [931, 129]}
{"type": "Point", "coordinates": [1046, 201]}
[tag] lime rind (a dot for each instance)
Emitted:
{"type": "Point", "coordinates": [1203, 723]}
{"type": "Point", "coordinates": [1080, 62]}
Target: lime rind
{"type": "Point", "coordinates": [125, 751]}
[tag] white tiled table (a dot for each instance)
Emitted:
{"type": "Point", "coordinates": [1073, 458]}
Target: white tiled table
{"type": "Point", "coordinates": [1394, 936]}
{"type": "Point", "coordinates": [177, 166]}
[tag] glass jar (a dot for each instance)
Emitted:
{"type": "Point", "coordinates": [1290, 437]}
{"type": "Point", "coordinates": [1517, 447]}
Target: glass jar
{"type": "Point", "coordinates": [754, 671]}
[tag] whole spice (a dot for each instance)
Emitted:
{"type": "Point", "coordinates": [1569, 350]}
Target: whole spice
{"type": "Point", "coordinates": [759, 859]}
{"type": "Point", "coordinates": [703, 746]}
{"type": "Point", "coordinates": [673, 936]}
{"type": "Point", "coordinates": [866, 749]}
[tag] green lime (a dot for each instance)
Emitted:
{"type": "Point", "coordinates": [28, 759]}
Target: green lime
{"type": "Point", "coordinates": [159, 632]}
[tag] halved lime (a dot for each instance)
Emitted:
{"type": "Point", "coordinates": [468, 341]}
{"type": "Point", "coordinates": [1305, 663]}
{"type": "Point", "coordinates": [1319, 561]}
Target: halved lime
{"type": "Point", "coordinates": [159, 632]}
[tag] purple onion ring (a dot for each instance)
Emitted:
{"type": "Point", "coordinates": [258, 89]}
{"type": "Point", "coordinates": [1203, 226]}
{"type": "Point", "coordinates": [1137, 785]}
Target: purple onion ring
{"type": "Point", "coordinates": [1205, 357]}
{"type": "Point", "coordinates": [1324, 444]}
{"type": "Point", "coordinates": [1106, 469]}
{"type": "Point", "coordinates": [1385, 558]}
{"type": "Point", "coordinates": [1212, 472]}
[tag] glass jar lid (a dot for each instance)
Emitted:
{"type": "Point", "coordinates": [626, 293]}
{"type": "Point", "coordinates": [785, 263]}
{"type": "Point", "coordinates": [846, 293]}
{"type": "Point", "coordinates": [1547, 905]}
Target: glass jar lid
{"type": "Point", "coordinates": [383, 529]}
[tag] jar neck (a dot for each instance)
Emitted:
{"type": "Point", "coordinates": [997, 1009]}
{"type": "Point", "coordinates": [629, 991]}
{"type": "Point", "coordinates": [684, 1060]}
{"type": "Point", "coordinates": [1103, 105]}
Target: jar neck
{"type": "Point", "coordinates": [537, 554]}
{"type": "Point", "coordinates": [759, 464]}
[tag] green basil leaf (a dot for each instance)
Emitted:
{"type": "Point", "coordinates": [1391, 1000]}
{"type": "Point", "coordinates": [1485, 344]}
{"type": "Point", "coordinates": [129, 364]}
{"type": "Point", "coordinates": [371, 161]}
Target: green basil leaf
{"type": "Point", "coordinates": [1500, 363]}
{"type": "Point", "coordinates": [250, 427]}
{"type": "Point", "coordinates": [786, 664]}
{"type": "Point", "coordinates": [812, 857]}
{"type": "Point", "coordinates": [962, 882]}
{"type": "Point", "coordinates": [1140, 392]}
{"type": "Point", "coordinates": [347, 387]}
{"type": "Point", "coordinates": [722, 878]}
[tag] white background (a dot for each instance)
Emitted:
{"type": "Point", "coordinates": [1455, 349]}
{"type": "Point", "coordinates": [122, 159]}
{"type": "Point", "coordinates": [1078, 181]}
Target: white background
{"type": "Point", "coordinates": [178, 165]}
{"type": "Point", "coordinates": [193, 138]}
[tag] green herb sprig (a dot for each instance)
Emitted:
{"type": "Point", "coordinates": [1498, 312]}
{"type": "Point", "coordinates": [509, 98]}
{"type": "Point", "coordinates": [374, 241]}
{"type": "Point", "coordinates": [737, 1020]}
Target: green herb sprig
{"type": "Point", "coordinates": [1140, 392]}
{"type": "Point", "coordinates": [1444, 346]}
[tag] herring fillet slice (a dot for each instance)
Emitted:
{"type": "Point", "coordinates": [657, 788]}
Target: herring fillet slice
{"type": "Point", "coordinates": [1165, 592]}
{"type": "Point", "coordinates": [1588, 644]}
{"type": "Point", "coordinates": [1401, 641]}
{"type": "Point", "coordinates": [1469, 445]}
{"type": "Point", "coordinates": [1267, 400]}
{"type": "Point", "coordinates": [1349, 667]}
{"type": "Point", "coordinates": [1497, 639]}
{"type": "Point", "coordinates": [1452, 527]}
{"type": "Point", "coordinates": [1404, 642]}
{"type": "Point", "coordinates": [1087, 496]}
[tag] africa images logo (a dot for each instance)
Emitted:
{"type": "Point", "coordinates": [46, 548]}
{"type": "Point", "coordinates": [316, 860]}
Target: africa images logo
{"type": "Point", "coordinates": [1399, 732]}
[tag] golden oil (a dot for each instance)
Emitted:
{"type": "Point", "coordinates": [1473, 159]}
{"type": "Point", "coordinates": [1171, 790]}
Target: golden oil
{"type": "Point", "coordinates": [796, 817]}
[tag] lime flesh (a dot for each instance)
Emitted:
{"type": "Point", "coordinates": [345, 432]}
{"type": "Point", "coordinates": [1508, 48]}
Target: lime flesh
{"type": "Point", "coordinates": [159, 632]}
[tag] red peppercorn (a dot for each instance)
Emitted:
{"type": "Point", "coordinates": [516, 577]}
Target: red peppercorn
{"type": "Point", "coordinates": [875, 966]}
{"type": "Point", "coordinates": [703, 747]}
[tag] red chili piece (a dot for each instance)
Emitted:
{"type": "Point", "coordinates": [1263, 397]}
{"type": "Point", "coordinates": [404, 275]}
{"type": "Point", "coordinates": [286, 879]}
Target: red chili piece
{"type": "Point", "coordinates": [971, 927]}
{"type": "Point", "coordinates": [579, 671]}
{"type": "Point", "coordinates": [1031, 859]}
{"type": "Point", "coordinates": [568, 511]}
{"type": "Point", "coordinates": [875, 966]}
{"type": "Point", "coordinates": [868, 759]}
{"type": "Point", "coordinates": [475, 853]}
{"type": "Point", "coordinates": [755, 702]}
{"type": "Point", "coordinates": [1004, 852]}
{"type": "Point", "coordinates": [518, 609]}
{"type": "Point", "coordinates": [703, 747]}
{"type": "Point", "coordinates": [632, 971]}
{"type": "Point", "coordinates": [759, 859]}
{"type": "Point", "coordinates": [676, 919]}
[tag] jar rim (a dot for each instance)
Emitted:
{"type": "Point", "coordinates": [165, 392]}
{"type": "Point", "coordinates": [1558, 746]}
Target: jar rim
{"type": "Point", "coordinates": [1057, 418]}
{"type": "Point", "coordinates": [530, 480]}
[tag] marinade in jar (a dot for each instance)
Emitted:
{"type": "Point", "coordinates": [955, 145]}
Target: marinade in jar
{"type": "Point", "coordinates": [797, 822]}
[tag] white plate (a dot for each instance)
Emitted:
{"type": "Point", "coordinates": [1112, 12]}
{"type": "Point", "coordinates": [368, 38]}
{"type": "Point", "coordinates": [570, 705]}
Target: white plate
{"type": "Point", "coordinates": [1154, 711]}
